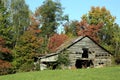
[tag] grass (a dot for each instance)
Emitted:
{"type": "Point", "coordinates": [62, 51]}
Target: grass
{"type": "Point", "coordinates": [108, 73]}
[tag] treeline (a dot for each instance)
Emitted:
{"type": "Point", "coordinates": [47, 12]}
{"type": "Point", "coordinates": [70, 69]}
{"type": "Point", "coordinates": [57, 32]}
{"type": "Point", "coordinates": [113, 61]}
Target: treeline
{"type": "Point", "coordinates": [24, 35]}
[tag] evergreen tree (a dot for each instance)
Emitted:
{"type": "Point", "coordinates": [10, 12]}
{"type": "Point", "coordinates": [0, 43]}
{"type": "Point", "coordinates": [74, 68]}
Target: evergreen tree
{"type": "Point", "coordinates": [5, 25]}
{"type": "Point", "coordinates": [5, 54]}
{"type": "Point", "coordinates": [50, 16]}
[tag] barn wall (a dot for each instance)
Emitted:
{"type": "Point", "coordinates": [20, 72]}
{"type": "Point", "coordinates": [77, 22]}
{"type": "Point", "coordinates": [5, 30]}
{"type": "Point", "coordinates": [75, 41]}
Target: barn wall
{"type": "Point", "coordinates": [96, 53]}
{"type": "Point", "coordinates": [50, 59]}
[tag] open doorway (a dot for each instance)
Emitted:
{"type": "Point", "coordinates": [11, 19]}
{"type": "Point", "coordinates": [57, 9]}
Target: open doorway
{"type": "Point", "coordinates": [78, 64]}
{"type": "Point", "coordinates": [83, 63]}
{"type": "Point", "coordinates": [85, 53]}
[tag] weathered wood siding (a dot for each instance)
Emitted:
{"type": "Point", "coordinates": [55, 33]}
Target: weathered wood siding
{"type": "Point", "coordinates": [96, 53]}
{"type": "Point", "coordinates": [50, 59]}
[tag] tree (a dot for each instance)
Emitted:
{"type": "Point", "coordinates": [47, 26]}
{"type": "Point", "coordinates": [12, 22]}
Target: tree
{"type": "Point", "coordinates": [5, 39]}
{"type": "Point", "coordinates": [91, 30]}
{"type": "Point", "coordinates": [101, 15]}
{"type": "Point", "coordinates": [28, 47]}
{"type": "Point", "coordinates": [50, 16]}
{"type": "Point", "coordinates": [70, 28]}
{"type": "Point", "coordinates": [5, 25]}
{"type": "Point", "coordinates": [55, 41]}
{"type": "Point", "coordinates": [116, 39]}
{"type": "Point", "coordinates": [109, 32]}
{"type": "Point", "coordinates": [5, 58]}
{"type": "Point", "coordinates": [116, 43]}
{"type": "Point", "coordinates": [19, 17]}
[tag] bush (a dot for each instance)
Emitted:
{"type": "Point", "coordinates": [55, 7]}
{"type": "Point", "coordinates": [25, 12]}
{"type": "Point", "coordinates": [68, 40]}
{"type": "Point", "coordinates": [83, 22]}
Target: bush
{"type": "Point", "coordinates": [5, 67]}
{"type": "Point", "coordinates": [63, 59]}
{"type": "Point", "coordinates": [117, 60]}
{"type": "Point", "coordinates": [28, 66]}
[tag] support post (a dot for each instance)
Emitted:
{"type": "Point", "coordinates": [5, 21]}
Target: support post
{"type": "Point", "coordinates": [39, 64]}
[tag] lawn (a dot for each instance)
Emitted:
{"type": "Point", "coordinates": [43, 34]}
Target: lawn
{"type": "Point", "coordinates": [108, 73]}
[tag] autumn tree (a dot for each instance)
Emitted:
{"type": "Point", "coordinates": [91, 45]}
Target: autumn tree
{"type": "Point", "coordinates": [5, 58]}
{"type": "Point", "coordinates": [101, 15]}
{"type": "Point", "coordinates": [55, 41]}
{"type": "Point", "coordinates": [110, 31]}
{"type": "Point", "coordinates": [50, 15]}
{"type": "Point", "coordinates": [91, 30]}
{"type": "Point", "coordinates": [28, 47]}
{"type": "Point", "coordinates": [5, 39]}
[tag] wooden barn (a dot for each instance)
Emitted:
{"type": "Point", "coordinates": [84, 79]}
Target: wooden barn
{"type": "Point", "coordinates": [83, 52]}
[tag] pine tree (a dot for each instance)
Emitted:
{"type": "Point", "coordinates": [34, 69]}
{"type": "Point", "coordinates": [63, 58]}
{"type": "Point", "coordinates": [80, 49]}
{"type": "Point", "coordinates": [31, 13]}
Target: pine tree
{"type": "Point", "coordinates": [50, 16]}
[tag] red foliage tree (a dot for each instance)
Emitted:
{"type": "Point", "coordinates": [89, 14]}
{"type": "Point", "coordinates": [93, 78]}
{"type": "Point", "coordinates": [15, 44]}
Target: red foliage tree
{"type": "Point", "coordinates": [34, 25]}
{"type": "Point", "coordinates": [85, 29]}
{"type": "Point", "coordinates": [5, 58]}
{"type": "Point", "coordinates": [55, 41]}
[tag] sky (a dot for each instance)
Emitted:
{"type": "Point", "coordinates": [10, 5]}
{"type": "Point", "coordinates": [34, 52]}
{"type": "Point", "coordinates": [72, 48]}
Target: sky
{"type": "Point", "coordinates": [76, 8]}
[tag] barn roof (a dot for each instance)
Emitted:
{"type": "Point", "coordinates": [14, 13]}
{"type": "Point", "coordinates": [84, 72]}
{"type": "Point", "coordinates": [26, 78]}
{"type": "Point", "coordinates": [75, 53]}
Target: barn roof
{"type": "Point", "coordinates": [69, 43]}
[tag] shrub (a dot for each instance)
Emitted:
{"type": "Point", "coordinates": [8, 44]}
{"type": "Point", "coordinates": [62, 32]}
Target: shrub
{"type": "Point", "coordinates": [117, 59]}
{"type": "Point", "coordinates": [5, 67]}
{"type": "Point", "coordinates": [28, 66]}
{"type": "Point", "coordinates": [63, 59]}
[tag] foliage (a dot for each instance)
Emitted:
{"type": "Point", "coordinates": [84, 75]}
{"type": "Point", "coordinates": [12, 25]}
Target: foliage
{"type": "Point", "coordinates": [5, 58]}
{"type": "Point", "coordinates": [19, 17]}
{"type": "Point", "coordinates": [117, 59]}
{"type": "Point", "coordinates": [50, 16]}
{"type": "Point", "coordinates": [109, 33]}
{"type": "Point", "coordinates": [28, 47]}
{"type": "Point", "coordinates": [5, 26]}
{"type": "Point", "coordinates": [5, 53]}
{"type": "Point", "coordinates": [91, 30]}
{"type": "Point", "coordinates": [116, 40]}
{"type": "Point", "coordinates": [99, 15]}
{"type": "Point", "coordinates": [70, 28]}
{"type": "Point", "coordinates": [55, 41]}
{"type": "Point", "coordinates": [92, 74]}
{"type": "Point", "coordinates": [26, 35]}
{"type": "Point", "coordinates": [116, 43]}
{"type": "Point", "coordinates": [63, 59]}
{"type": "Point", "coordinates": [36, 23]}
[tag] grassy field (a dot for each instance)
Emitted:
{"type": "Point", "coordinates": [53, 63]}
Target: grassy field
{"type": "Point", "coordinates": [108, 73]}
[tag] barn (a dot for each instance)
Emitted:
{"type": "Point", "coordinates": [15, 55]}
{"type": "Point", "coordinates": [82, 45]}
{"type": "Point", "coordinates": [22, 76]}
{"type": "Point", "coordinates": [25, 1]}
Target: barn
{"type": "Point", "coordinates": [83, 52]}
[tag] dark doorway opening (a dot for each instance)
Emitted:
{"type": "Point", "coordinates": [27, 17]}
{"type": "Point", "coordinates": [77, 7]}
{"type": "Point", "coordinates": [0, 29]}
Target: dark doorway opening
{"type": "Point", "coordinates": [78, 63]}
{"type": "Point", "coordinates": [85, 53]}
{"type": "Point", "coordinates": [51, 65]}
{"type": "Point", "coordinates": [83, 63]}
